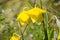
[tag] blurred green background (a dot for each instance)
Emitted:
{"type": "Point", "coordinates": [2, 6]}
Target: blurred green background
{"type": "Point", "coordinates": [9, 10]}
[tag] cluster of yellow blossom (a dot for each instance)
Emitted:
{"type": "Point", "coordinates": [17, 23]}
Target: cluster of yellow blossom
{"type": "Point", "coordinates": [33, 14]}
{"type": "Point", "coordinates": [14, 37]}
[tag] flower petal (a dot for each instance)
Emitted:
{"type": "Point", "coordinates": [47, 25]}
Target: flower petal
{"type": "Point", "coordinates": [23, 17]}
{"type": "Point", "coordinates": [14, 38]}
{"type": "Point", "coordinates": [36, 12]}
{"type": "Point", "coordinates": [33, 19]}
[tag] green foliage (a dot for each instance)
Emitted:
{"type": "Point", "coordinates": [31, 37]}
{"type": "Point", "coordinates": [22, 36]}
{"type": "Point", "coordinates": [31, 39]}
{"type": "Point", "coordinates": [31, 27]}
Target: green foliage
{"type": "Point", "coordinates": [9, 10]}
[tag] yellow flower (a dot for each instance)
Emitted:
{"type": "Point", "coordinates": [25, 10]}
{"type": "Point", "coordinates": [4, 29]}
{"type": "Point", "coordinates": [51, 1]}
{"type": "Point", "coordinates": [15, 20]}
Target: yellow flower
{"type": "Point", "coordinates": [35, 14]}
{"type": "Point", "coordinates": [58, 37]}
{"type": "Point", "coordinates": [15, 38]}
{"type": "Point", "coordinates": [36, 11]}
{"type": "Point", "coordinates": [39, 18]}
{"type": "Point", "coordinates": [23, 17]}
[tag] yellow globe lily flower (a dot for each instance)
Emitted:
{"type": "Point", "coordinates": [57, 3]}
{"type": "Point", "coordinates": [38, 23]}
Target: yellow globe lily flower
{"type": "Point", "coordinates": [23, 17]}
{"type": "Point", "coordinates": [36, 11]}
{"type": "Point", "coordinates": [35, 14]}
{"type": "Point", "coordinates": [15, 38]}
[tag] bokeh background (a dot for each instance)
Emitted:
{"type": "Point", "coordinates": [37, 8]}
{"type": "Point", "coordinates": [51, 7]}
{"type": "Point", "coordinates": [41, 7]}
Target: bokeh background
{"type": "Point", "coordinates": [9, 10]}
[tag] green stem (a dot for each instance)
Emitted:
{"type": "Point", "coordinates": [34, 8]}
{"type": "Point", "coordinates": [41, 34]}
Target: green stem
{"type": "Point", "coordinates": [44, 26]}
{"type": "Point", "coordinates": [24, 29]}
{"type": "Point", "coordinates": [20, 31]}
{"type": "Point", "coordinates": [45, 31]}
{"type": "Point", "coordinates": [40, 3]}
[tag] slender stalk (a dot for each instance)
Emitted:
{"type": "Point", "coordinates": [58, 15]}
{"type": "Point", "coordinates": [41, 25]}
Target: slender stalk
{"type": "Point", "coordinates": [45, 31]}
{"type": "Point", "coordinates": [44, 26]}
{"type": "Point", "coordinates": [20, 31]}
{"type": "Point", "coordinates": [40, 3]}
{"type": "Point", "coordinates": [24, 29]}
